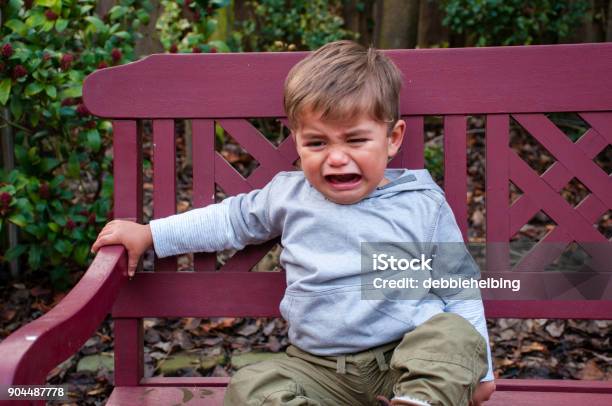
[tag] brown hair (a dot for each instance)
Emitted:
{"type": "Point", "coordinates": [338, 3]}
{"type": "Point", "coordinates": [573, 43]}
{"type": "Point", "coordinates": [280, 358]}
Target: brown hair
{"type": "Point", "coordinates": [341, 80]}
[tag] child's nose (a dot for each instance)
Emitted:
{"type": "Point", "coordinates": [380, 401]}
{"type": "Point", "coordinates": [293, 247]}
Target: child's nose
{"type": "Point", "coordinates": [337, 157]}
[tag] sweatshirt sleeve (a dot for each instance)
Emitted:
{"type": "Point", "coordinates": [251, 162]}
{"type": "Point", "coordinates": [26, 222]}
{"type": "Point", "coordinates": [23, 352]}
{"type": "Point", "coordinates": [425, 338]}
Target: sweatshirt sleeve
{"type": "Point", "coordinates": [233, 223]}
{"type": "Point", "coordinates": [455, 260]}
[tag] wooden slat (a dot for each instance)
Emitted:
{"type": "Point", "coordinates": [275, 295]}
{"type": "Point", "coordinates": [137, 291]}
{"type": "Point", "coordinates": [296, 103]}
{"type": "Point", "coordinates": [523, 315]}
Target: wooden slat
{"type": "Point", "coordinates": [127, 169]}
{"type": "Point", "coordinates": [203, 146]}
{"type": "Point", "coordinates": [549, 309]}
{"type": "Point", "coordinates": [482, 81]}
{"type": "Point", "coordinates": [557, 176]}
{"type": "Point", "coordinates": [502, 385]}
{"type": "Point", "coordinates": [164, 180]}
{"type": "Point", "coordinates": [211, 396]}
{"type": "Point", "coordinates": [520, 213]}
{"type": "Point", "coordinates": [412, 152]}
{"type": "Point", "coordinates": [524, 392]}
{"type": "Point", "coordinates": [156, 396]}
{"type": "Point", "coordinates": [591, 142]}
{"type": "Point", "coordinates": [549, 399]}
{"type": "Point", "coordinates": [601, 122]}
{"type": "Point", "coordinates": [497, 196]}
{"type": "Point", "coordinates": [558, 144]}
{"type": "Point", "coordinates": [246, 294]}
{"type": "Point", "coordinates": [129, 355]}
{"type": "Point", "coordinates": [127, 149]}
{"type": "Point", "coordinates": [287, 148]}
{"type": "Point", "coordinates": [542, 254]}
{"type": "Point", "coordinates": [554, 385]}
{"type": "Point", "coordinates": [555, 206]}
{"type": "Point", "coordinates": [185, 381]}
{"type": "Point", "coordinates": [455, 168]}
{"type": "Point", "coordinates": [248, 257]}
{"type": "Point", "coordinates": [591, 208]}
{"type": "Point", "coordinates": [257, 145]}
{"type": "Point", "coordinates": [202, 294]}
{"type": "Point", "coordinates": [228, 178]}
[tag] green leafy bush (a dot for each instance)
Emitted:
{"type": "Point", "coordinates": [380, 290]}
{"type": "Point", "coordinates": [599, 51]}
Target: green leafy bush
{"type": "Point", "coordinates": [190, 26]}
{"type": "Point", "coordinates": [275, 25]}
{"type": "Point", "coordinates": [514, 22]}
{"type": "Point", "coordinates": [61, 189]}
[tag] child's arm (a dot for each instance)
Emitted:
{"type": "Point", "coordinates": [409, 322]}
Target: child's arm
{"type": "Point", "coordinates": [135, 237]}
{"type": "Point", "coordinates": [232, 224]}
{"type": "Point", "coordinates": [235, 222]}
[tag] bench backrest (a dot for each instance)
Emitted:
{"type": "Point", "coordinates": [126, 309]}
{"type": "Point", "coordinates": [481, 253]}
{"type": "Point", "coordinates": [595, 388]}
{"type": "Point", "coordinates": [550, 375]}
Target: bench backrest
{"type": "Point", "coordinates": [501, 83]}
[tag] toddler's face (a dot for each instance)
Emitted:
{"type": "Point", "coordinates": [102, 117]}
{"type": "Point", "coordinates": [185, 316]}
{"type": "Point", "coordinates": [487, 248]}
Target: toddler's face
{"type": "Point", "coordinates": [346, 161]}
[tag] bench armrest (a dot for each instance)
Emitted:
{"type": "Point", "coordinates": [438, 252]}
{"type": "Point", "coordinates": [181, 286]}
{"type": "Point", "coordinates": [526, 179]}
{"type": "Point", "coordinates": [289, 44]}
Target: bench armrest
{"type": "Point", "coordinates": [33, 350]}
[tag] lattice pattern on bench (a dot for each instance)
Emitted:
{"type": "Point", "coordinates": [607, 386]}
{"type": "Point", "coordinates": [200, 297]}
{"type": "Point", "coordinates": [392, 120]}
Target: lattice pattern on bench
{"type": "Point", "coordinates": [541, 193]}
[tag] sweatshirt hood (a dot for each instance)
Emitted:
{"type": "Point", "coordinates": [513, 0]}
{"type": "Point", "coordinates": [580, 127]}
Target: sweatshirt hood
{"type": "Point", "coordinates": [401, 180]}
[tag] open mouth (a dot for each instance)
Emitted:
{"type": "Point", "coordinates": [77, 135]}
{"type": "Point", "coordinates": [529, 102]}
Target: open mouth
{"type": "Point", "coordinates": [345, 179]}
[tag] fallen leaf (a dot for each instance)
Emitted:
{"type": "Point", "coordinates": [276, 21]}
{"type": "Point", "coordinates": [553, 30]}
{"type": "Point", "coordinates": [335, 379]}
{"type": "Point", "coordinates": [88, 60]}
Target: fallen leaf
{"type": "Point", "coordinates": [477, 218]}
{"type": "Point", "coordinates": [535, 346]}
{"type": "Point", "coordinates": [591, 371]}
{"type": "Point", "coordinates": [8, 314]}
{"type": "Point", "coordinates": [247, 330]}
{"type": "Point", "coordinates": [40, 305]}
{"type": "Point", "coordinates": [96, 391]}
{"type": "Point", "coordinates": [182, 206]}
{"type": "Point", "coordinates": [555, 329]}
{"type": "Point", "coordinates": [269, 328]}
{"type": "Point", "coordinates": [211, 341]}
{"type": "Point", "coordinates": [219, 371]}
{"type": "Point", "coordinates": [191, 323]}
{"type": "Point", "coordinates": [39, 291]}
{"type": "Point", "coordinates": [182, 339]}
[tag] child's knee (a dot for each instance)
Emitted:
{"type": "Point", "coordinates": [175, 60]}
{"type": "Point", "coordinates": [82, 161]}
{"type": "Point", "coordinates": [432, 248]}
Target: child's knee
{"type": "Point", "coordinates": [264, 383]}
{"type": "Point", "coordinates": [445, 337]}
{"type": "Point", "coordinates": [440, 361]}
{"type": "Point", "coordinates": [251, 385]}
{"type": "Point", "coordinates": [455, 329]}
{"type": "Point", "coordinates": [235, 394]}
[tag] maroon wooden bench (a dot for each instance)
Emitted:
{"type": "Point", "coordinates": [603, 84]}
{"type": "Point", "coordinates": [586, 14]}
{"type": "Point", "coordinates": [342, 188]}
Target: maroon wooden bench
{"type": "Point", "coordinates": [518, 82]}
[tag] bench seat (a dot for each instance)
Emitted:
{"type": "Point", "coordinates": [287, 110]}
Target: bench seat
{"type": "Point", "coordinates": [520, 392]}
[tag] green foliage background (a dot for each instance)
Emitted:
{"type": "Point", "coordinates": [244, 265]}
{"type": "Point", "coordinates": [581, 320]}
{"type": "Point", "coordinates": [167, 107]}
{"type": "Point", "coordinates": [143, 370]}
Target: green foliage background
{"type": "Point", "coordinates": [514, 22]}
{"type": "Point", "coordinates": [59, 193]}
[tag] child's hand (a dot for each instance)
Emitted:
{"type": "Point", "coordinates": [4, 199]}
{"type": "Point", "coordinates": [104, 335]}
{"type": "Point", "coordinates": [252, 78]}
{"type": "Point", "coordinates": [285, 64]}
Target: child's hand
{"type": "Point", "coordinates": [483, 392]}
{"type": "Point", "coordinates": [136, 238]}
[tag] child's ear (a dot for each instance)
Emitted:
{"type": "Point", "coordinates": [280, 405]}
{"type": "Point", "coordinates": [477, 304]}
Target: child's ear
{"type": "Point", "coordinates": [395, 138]}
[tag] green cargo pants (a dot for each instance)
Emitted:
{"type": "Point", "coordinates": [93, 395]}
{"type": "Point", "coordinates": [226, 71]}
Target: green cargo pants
{"type": "Point", "coordinates": [440, 362]}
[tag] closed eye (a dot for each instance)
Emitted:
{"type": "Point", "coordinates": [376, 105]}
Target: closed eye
{"type": "Point", "coordinates": [314, 144]}
{"type": "Point", "coordinates": [358, 140]}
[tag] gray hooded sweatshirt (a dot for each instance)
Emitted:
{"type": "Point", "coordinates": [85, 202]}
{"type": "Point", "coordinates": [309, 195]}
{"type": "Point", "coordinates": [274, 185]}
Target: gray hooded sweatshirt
{"type": "Point", "coordinates": [321, 254]}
